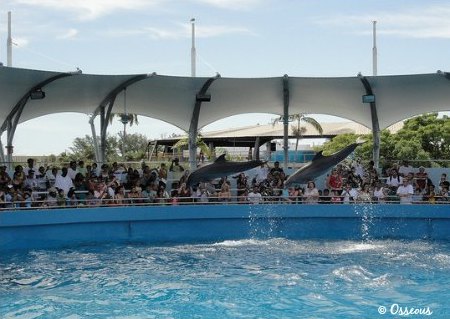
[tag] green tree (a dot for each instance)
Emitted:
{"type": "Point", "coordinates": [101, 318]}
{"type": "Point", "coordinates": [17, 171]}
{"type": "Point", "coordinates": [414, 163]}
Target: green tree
{"type": "Point", "coordinates": [184, 143]}
{"type": "Point", "coordinates": [136, 146]}
{"type": "Point", "coordinates": [298, 130]}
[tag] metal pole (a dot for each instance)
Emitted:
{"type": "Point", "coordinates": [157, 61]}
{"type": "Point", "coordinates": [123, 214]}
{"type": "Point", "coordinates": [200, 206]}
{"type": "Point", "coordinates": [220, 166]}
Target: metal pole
{"type": "Point", "coordinates": [193, 52]}
{"type": "Point", "coordinates": [374, 50]}
{"type": "Point", "coordinates": [9, 42]}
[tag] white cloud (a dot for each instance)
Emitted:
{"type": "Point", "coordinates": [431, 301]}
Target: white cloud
{"type": "Point", "coordinates": [91, 9]}
{"type": "Point", "coordinates": [181, 31]}
{"type": "Point", "coordinates": [71, 33]}
{"type": "Point", "coordinates": [233, 4]}
{"type": "Point", "coordinates": [419, 22]}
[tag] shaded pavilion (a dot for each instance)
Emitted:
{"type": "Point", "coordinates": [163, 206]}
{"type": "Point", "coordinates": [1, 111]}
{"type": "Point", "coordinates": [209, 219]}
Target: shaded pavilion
{"type": "Point", "coordinates": [191, 103]}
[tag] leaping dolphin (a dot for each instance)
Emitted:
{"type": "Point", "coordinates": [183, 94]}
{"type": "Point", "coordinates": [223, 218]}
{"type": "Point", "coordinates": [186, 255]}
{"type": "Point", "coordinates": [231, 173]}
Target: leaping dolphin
{"type": "Point", "coordinates": [220, 168]}
{"type": "Point", "coordinates": [320, 164]}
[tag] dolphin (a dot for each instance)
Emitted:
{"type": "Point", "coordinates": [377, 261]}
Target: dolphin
{"type": "Point", "coordinates": [220, 168]}
{"type": "Point", "coordinates": [320, 164]}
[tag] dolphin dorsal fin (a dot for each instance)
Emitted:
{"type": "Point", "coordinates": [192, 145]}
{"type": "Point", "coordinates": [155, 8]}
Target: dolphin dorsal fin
{"type": "Point", "coordinates": [317, 156]}
{"type": "Point", "coordinates": [220, 159]}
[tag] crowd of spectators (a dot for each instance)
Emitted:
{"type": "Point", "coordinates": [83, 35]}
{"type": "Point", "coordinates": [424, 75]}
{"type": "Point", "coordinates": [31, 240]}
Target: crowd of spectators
{"type": "Point", "coordinates": [78, 184]}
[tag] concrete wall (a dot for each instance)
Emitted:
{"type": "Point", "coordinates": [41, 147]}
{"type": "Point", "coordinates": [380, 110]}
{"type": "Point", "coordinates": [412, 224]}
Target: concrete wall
{"type": "Point", "coordinates": [210, 223]}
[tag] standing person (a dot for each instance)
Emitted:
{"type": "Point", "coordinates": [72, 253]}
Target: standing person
{"type": "Point", "coordinates": [176, 169]}
{"type": "Point", "coordinates": [405, 192]}
{"type": "Point", "coordinates": [63, 181]}
{"type": "Point", "coordinates": [421, 179]}
{"type": "Point", "coordinates": [334, 181]}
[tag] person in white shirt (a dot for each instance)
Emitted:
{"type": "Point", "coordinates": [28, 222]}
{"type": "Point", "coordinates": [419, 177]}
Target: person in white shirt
{"type": "Point", "coordinates": [405, 192]}
{"type": "Point", "coordinates": [405, 169]}
{"type": "Point", "coordinates": [254, 197]}
{"type": "Point", "coordinates": [72, 170]}
{"type": "Point", "coordinates": [63, 181]}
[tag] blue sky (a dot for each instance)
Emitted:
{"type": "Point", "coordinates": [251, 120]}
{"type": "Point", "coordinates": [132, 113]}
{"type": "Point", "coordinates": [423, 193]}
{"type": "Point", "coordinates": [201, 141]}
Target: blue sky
{"type": "Point", "coordinates": [237, 38]}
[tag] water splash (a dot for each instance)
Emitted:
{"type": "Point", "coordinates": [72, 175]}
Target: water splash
{"type": "Point", "coordinates": [367, 222]}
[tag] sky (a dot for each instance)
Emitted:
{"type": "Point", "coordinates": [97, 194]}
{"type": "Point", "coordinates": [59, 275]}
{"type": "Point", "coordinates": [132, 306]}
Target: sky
{"type": "Point", "coordinates": [236, 38]}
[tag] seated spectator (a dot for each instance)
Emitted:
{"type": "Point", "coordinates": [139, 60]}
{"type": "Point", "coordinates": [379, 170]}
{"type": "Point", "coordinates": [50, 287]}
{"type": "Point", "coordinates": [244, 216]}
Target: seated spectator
{"type": "Point", "coordinates": [50, 176]}
{"type": "Point", "coordinates": [254, 197]}
{"type": "Point", "coordinates": [120, 196]}
{"type": "Point", "coordinates": [311, 193]}
{"type": "Point", "coordinates": [61, 198]}
{"type": "Point", "coordinates": [5, 179]}
{"type": "Point", "coordinates": [241, 183]}
{"type": "Point", "coordinates": [295, 194]}
{"type": "Point", "coordinates": [336, 198]}
{"type": "Point", "coordinates": [380, 192]}
{"type": "Point", "coordinates": [135, 195]}
{"type": "Point", "coordinates": [184, 193]}
{"type": "Point", "coordinates": [405, 192]}
{"type": "Point", "coordinates": [443, 182]}
{"type": "Point", "coordinates": [149, 193]}
{"type": "Point", "coordinates": [430, 194]}
{"type": "Point", "coordinates": [354, 179]}
{"type": "Point", "coordinates": [41, 180]}
{"type": "Point", "coordinates": [393, 181]}
{"type": "Point", "coordinates": [162, 196]}
{"type": "Point", "coordinates": [71, 200]}
{"type": "Point", "coordinates": [30, 182]}
{"type": "Point", "coordinates": [421, 179]}
{"type": "Point", "coordinates": [18, 177]}
{"type": "Point", "coordinates": [443, 197]}
{"type": "Point", "coordinates": [417, 197]}
{"type": "Point", "coordinates": [51, 200]}
{"type": "Point", "coordinates": [225, 193]}
{"type": "Point", "coordinates": [349, 194]}
{"type": "Point", "coordinates": [365, 194]}
{"type": "Point", "coordinates": [325, 197]}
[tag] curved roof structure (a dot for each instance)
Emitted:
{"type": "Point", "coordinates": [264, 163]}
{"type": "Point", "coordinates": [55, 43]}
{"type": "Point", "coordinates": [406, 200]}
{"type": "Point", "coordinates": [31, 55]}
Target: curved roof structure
{"type": "Point", "coordinates": [172, 99]}
{"type": "Point", "coordinates": [193, 102]}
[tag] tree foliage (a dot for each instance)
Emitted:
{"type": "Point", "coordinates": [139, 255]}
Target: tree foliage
{"type": "Point", "coordinates": [83, 148]}
{"type": "Point", "coordinates": [423, 139]}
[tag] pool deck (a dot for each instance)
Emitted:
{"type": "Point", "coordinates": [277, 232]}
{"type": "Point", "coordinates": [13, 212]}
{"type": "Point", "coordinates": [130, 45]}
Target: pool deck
{"type": "Point", "coordinates": [48, 228]}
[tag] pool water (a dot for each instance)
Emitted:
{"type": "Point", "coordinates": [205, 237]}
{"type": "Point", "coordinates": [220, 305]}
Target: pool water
{"type": "Point", "coordinates": [273, 278]}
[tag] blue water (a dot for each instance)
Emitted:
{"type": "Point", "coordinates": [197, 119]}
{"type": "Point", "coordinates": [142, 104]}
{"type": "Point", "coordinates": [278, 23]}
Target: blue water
{"type": "Point", "coordinates": [274, 278]}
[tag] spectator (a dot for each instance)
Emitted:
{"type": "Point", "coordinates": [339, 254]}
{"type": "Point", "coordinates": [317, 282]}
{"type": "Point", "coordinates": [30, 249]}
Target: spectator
{"type": "Point", "coordinates": [334, 180]}
{"type": "Point", "coordinates": [176, 168]}
{"type": "Point", "coordinates": [63, 181]}
{"type": "Point", "coordinates": [421, 179]}
{"type": "Point", "coordinates": [254, 197]}
{"type": "Point", "coordinates": [405, 192]}
{"type": "Point", "coordinates": [379, 192]}
{"type": "Point", "coordinates": [364, 195]}
{"type": "Point", "coordinates": [5, 179]}
{"type": "Point", "coordinates": [405, 169]}
{"type": "Point", "coordinates": [311, 193]}
{"type": "Point", "coordinates": [225, 193]}
{"type": "Point", "coordinates": [349, 194]}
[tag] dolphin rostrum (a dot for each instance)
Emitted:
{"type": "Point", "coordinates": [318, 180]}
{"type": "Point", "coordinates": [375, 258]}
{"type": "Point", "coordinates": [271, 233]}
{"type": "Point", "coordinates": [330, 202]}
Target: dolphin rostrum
{"type": "Point", "coordinates": [220, 168]}
{"type": "Point", "coordinates": [320, 164]}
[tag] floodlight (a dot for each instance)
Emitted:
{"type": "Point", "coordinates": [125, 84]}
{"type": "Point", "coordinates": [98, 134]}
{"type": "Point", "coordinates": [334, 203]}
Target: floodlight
{"type": "Point", "coordinates": [369, 98]}
{"type": "Point", "coordinates": [37, 94]}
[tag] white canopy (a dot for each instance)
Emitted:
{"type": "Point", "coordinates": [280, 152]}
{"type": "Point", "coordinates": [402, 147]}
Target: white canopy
{"type": "Point", "coordinates": [173, 99]}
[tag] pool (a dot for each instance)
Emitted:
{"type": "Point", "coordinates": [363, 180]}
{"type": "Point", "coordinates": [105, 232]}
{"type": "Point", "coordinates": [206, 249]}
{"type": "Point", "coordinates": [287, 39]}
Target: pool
{"type": "Point", "coordinates": [226, 261]}
{"type": "Point", "coordinates": [251, 278]}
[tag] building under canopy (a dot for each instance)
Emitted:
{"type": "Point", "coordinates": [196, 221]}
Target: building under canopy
{"type": "Point", "coordinates": [190, 103]}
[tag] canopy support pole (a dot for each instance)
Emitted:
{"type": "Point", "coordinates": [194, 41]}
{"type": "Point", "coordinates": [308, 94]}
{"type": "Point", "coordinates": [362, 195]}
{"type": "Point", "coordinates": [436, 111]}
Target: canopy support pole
{"type": "Point", "coordinates": [285, 120]}
{"type": "Point", "coordinates": [94, 139]}
{"type": "Point", "coordinates": [2, 153]}
{"type": "Point", "coordinates": [376, 133]}
{"type": "Point", "coordinates": [106, 114]}
{"type": "Point", "coordinates": [12, 120]}
{"type": "Point", "coordinates": [193, 127]}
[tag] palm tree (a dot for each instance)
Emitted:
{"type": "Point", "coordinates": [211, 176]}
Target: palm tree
{"type": "Point", "coordinates": [298, 130]}
{"type": "Point", "coordinates": [184, 142]}
{"type": "Point", "coordinates": [125, 118]}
